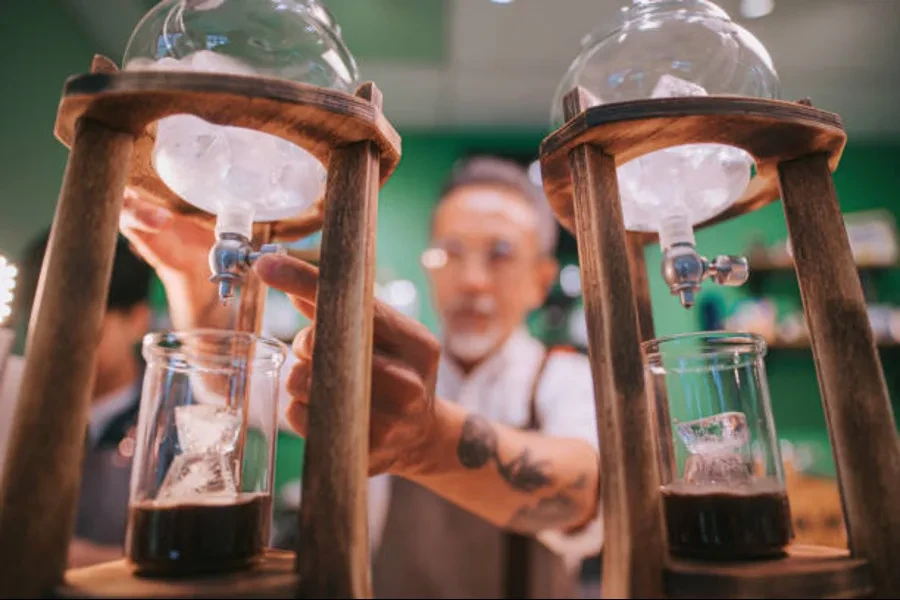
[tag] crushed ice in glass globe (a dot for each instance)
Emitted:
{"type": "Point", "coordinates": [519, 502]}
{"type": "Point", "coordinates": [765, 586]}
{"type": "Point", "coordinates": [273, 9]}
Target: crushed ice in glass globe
{"type": "Point", "coordinates": [674, 48]}
{"type": "Point", "coordinates": [719, 449]}
{"type": "Point", "coordinates": [207, 164]}
{"type": "Point", "coordinates": [206, 467]}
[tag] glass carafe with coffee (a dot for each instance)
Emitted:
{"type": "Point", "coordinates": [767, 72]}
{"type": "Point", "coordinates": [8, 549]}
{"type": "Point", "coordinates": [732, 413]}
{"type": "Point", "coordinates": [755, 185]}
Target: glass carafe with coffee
{"type": "Point", "coordinates": [203, 468]}
{"type": "Point", "coordinates": [723, 494]}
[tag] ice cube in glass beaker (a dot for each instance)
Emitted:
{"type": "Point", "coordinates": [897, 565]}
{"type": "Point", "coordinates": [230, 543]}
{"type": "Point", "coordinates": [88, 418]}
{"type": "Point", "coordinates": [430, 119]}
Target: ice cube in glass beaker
{"type": "Point", "coordinates": [723, 494]}
{"type": "Point", "coordinates": [203, 467]}
{"type": "Point", "coordinates": [718, 450]}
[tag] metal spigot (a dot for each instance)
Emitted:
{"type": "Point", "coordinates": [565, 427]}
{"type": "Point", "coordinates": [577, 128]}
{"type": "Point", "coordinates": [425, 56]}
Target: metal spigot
{"type": "Point", "coordinates": [231, 257]}
{"type": "Point", "coordinates": [684, 271]}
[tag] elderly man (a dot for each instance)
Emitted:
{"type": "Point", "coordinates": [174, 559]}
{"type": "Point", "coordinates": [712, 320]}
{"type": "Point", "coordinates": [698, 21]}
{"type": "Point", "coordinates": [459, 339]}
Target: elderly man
{"type": "Point", "coordinates": [486, 484]}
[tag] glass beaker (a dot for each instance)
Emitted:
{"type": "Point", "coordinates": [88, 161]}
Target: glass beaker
{"type": "Point", "coordinates": [201, 484]}
{"type": "Point", "coordinates": [724, 495]}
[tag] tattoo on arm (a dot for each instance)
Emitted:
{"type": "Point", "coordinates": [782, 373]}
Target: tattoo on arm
{"type": "Point", "coordinates": [550, 512]}
{"type": "Point", "coordinates": [478, 446]}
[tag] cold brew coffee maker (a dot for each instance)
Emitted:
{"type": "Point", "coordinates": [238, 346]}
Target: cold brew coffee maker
{"type": "Point", "coordinates": [723, 496]}
{"type": "Point", "coordinates": [201, 487]}
{"type": "Point", "coordinates": [247, 116]}
{"type": "Point", "coordinates": [665, 123]}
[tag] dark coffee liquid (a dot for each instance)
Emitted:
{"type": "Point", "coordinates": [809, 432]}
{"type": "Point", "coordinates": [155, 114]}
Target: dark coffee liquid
{"type": "Point", "coordinates": [724, 525]}
{"type": "Point", "coordinates": [191, 539]}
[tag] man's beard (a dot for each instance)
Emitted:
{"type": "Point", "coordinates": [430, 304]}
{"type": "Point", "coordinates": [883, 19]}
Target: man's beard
{"type": "Point", "coordinates": [469, 345]}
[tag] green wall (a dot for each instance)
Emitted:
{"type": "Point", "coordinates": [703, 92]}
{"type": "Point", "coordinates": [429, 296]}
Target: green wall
{"type": "Point", "coordinates": [867, 178]}
{"type": "Point", "coordinates": [40, 49]}
{"type": "Point", "coordinates": [33, 162]}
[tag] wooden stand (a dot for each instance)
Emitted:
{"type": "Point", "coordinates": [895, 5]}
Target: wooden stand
{"type": "Point", "coordinates": [108, 120]}
{"type": "Point", "coordinates": [796, 147]}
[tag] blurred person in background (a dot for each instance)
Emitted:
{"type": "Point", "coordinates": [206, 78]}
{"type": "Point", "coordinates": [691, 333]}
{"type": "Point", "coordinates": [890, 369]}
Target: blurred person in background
{"type": "Point", "coordinates": [109, 441]}
{"type": "Point", "coordinates": [490, 263]}
{"type": "Point", "coordinates": [484, 457]}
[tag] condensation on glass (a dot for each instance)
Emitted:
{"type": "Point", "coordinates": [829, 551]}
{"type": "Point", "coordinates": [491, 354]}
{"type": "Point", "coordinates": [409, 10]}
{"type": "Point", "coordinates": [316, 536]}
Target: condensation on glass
{"type": "Point", "coordinates": [247, 174]}
{"type": "Point", "coordinates": [724, 494]}
{"type": "Point", "coordinates": [201, 484]}
{"type": "Point", "coordinates": [664, 49]}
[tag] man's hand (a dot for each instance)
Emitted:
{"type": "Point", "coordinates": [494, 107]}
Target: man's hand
{"type": "Point", "coordinates": [522, 480]}
{"type": "Point", "coordinates": [404, 368]}
{"type": "Point", "coordinates": [177, 248]}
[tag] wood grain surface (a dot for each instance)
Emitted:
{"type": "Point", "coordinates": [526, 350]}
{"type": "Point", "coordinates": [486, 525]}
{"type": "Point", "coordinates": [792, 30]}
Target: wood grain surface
{"type": "Point", "coordinates": [314, 118]}
{"type": "Point", "coordinates": [42, 475]}
{"type": "Point", "coordinates": [806, 572]}
{"type": "Point", "coordinates": [851, 380]}
{"type": "Point", "coordinates": [333, 552]}
{"type": "Point", "coordinates": [770, 130]}
{"type": "Point", "coordinates": [634, 546]}
{"type": "Point", "coordinates": [274, 577]}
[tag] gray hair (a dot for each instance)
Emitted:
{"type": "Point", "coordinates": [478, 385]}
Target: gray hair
{"type": "Point", "coordinates": [501, 172]}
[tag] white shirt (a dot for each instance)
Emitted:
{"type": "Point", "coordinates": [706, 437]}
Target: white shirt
{"type": "Point", "coordinates": [500, 389]}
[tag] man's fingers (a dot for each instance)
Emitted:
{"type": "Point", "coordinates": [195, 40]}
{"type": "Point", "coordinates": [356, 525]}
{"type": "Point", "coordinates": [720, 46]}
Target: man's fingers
{"type": "Point", "coordinates": [140, 215]}
{"type": "Point", "coordinates": [302, 346]}
{"type": "Point", "coordinates": [405, 338]}
{"type": "Point", "coordinates": [143, 243]}
{"type": "Point", "coordinates": [395, 383]}
{"type": "Point", "coordinates": [394, 333]}
{"type": "Point", "coordinates": [297, 416]}
{"type": "Point", "coordinates": [298, 379]}
{"type": "Point", "coordinates": [292, 276]}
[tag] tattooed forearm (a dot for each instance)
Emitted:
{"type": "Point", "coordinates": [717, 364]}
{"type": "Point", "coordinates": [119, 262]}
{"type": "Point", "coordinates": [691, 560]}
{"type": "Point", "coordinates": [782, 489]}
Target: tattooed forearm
{"type": "Point", "coordinates": [549, 513]}
{"type": "Point", "coordinates": [477, 443]}
{"type": "Point", "coordinates": [478, 446]}
{"type": "Point", "coordinates": [552, 512]}
{"type": "Point", "coordinates": [524, 473]}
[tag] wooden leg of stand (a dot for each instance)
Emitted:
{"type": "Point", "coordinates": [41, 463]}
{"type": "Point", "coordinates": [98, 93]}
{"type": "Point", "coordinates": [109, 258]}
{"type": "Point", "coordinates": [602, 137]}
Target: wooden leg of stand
{"type": "Point", "coordinates": [41, 481]}
{"type": "Point", "coordinates": [854, 393]}
{"type": "Point", "coordinates": [332, 556]}
{"type": "Point", "coordinates": [634, 549]}
{"type": "Point", "coordinates": [641, 285]}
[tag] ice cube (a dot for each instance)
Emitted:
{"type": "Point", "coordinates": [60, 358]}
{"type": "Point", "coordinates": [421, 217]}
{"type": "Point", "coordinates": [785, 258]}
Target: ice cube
{"type": "Point", "coordinates": [206, 428]}
{"type": "Point", "coordinates": [197, 476]}
{"type": "Point", "coordinates": [719, 449]}
{"type": "Point", "coordinates": [696, 180]}
{"type": "Point", "coordinates": [729, 469]}
{"type": "Point", "coordinates": [207, 61]}
{"type": "Point", "coordinates": [206, 164]}
{"type": "Point", "coordinates": [724, 431]}
{"type": "Point", "coordinates": [206, 467]}
{"type": "Point", "coordinates": [670, 86]}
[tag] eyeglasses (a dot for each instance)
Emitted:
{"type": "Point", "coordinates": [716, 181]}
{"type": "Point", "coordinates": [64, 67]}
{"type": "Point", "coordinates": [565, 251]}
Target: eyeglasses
{"type": "Point", "coordinates": [499, 256]}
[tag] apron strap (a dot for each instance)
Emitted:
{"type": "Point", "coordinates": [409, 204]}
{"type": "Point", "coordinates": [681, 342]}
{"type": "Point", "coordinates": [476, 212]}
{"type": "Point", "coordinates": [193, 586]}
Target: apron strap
{"type": "Point", "coordinates": [518, 546]}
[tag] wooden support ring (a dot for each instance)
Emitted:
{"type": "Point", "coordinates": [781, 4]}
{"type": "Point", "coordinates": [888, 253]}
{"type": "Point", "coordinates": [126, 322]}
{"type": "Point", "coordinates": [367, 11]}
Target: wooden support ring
{"type": "Point", "coordinates": [314, 118]}
{"type": "Point", "coordinates": [771, 131]}
{"type": "Point", "coordinates": [273, 577]}
{"type": "Point", "coordinates": [806, 572]}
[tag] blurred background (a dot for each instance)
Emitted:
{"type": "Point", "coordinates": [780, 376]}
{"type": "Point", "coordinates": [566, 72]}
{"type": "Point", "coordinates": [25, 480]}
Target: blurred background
{"type": "Point", "coordinates": [463, 77]}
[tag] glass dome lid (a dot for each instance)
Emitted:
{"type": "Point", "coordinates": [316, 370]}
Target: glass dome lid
{"type": "Point", "coordinates": [659, 42]}
{"type": "Point", "coordinates": [297, 40]}
{"type": "Point", "coordinates": [222, 168]}
{"type": "Point", "coordinates": [667, 48]}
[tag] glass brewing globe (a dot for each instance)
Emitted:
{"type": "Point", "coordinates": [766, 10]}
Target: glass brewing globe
{"type": "Point", "coordinates": [666, 48]}
{"type": "Point", "coordinates": [223, 168]}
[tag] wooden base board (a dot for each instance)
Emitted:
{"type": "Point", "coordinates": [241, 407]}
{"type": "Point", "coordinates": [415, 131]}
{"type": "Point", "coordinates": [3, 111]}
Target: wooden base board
{"type": "Point", "coordinates": [806, 572]}
{"type": "Point", "coordinates": [274, 577]}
